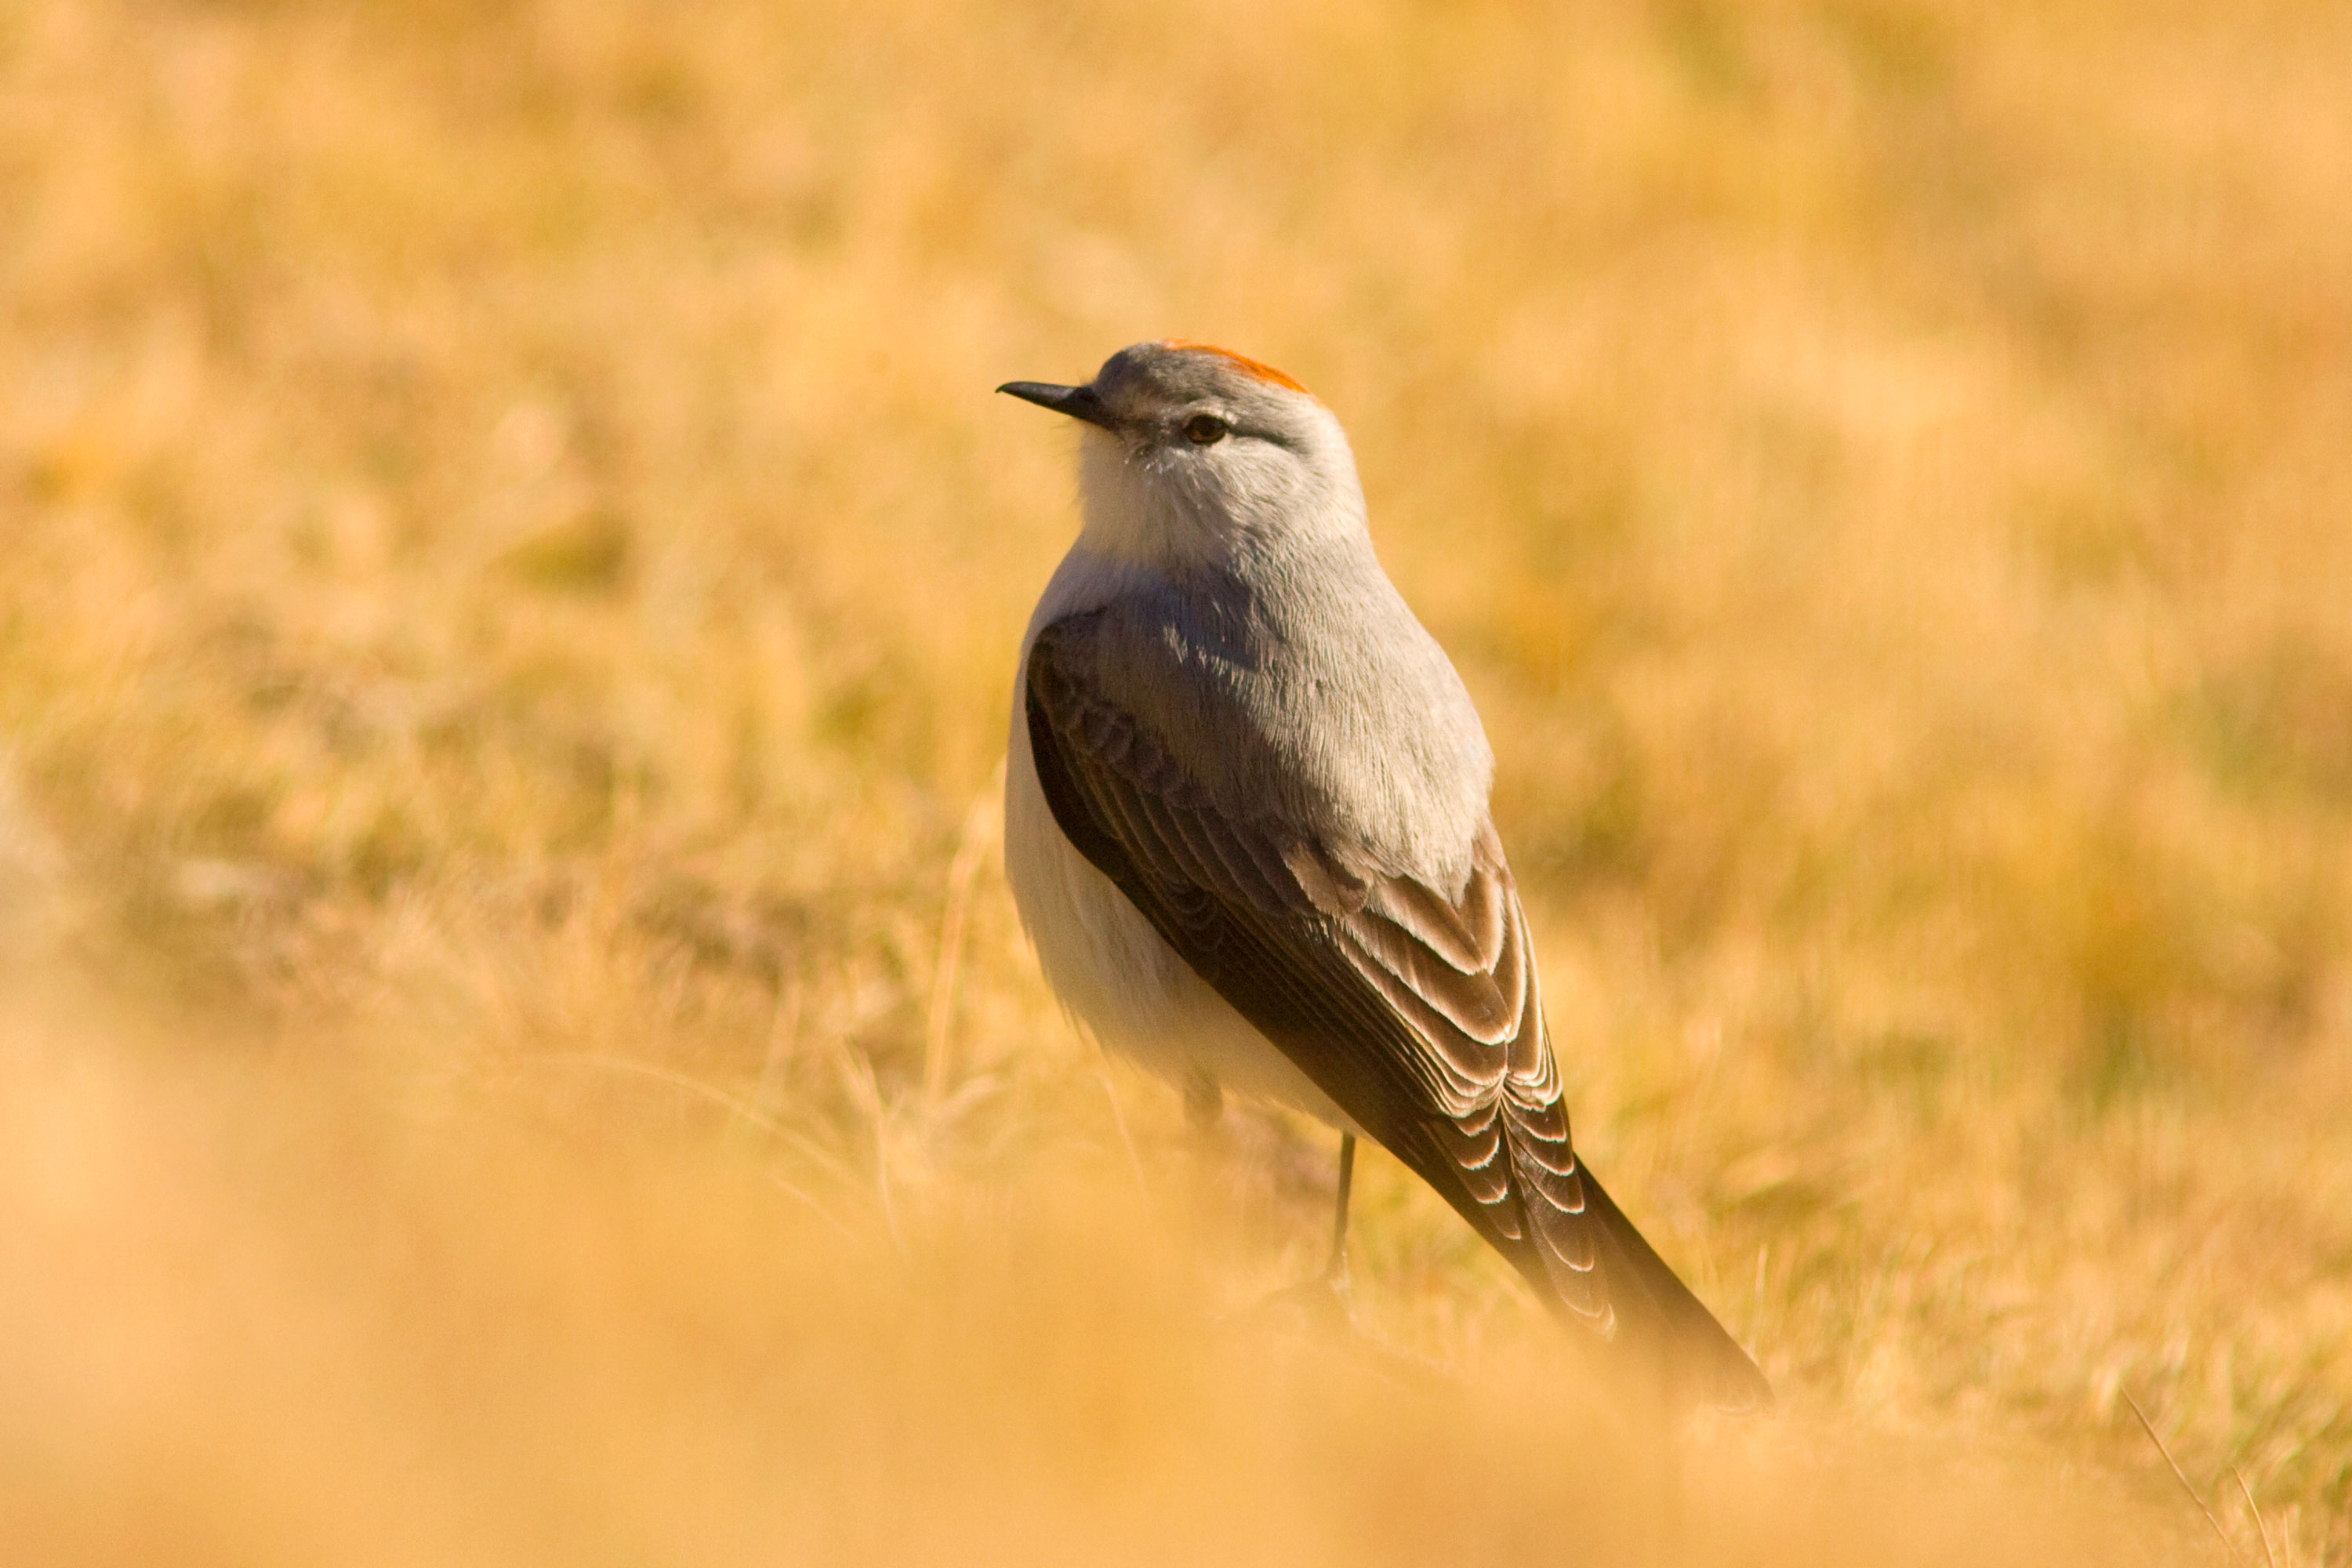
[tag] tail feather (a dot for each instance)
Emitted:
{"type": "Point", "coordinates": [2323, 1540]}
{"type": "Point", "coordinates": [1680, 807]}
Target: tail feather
{"type": "Point", "coordinates": [1658, 1313]}
{"type": "Point", "coordinates": [1563, 1232]}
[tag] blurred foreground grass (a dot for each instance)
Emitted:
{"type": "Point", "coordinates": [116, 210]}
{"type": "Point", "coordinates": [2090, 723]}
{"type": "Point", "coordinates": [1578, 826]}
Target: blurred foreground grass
{"type": "Point", "coordinates": [275, 1323]}
{"type": "Point", "coordinates": [518, 1044]}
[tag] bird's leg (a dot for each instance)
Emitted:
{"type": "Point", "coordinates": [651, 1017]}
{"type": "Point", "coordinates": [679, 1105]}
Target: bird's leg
{"type": "Point", "coordinates": [1335, 1273]}
{"type": "Point", "coordinates": [1205, 1100]}
{"type": "Point", "coordinates": [1324, 1298]}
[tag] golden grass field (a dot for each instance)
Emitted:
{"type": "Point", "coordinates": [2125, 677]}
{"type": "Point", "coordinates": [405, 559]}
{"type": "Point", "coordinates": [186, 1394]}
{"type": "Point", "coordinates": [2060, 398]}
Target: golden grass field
{"type": "Point", "coordinates": [517, 1046]}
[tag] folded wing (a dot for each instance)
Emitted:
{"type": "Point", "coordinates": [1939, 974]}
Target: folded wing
{"type": "Point", "coordinates": [1415, 1008]}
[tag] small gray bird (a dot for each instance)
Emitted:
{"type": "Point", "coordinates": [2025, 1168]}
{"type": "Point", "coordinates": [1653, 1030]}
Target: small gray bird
{"type": "Point", "coordinates": [1246, 825]}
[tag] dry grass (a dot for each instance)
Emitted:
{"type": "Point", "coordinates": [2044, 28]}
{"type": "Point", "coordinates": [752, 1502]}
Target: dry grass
{"type": "Point", "coordinates": [519, 1048]}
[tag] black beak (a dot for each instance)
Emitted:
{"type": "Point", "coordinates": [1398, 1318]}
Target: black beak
{"type": "Point", "coordinates": [1077, 402]}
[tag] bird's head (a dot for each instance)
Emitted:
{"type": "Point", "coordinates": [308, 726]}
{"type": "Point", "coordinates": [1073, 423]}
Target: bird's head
{"type": "Point", "coordinates": [1193, 452]}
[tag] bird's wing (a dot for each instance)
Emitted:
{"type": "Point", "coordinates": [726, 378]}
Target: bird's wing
{"type": "Point", "coordinates": [1415, 1011]}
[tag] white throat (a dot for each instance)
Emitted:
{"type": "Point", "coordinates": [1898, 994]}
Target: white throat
{"type": "Point", "coordinates": [1155, 510]}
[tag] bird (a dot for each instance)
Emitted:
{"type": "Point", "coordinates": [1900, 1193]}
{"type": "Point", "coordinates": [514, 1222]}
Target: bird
{"type": "Point", "coordinates": [1248, 831]}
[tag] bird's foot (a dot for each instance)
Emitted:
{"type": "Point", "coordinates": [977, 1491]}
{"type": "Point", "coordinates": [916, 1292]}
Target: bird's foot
{"type": "Point", "coordinates": [1322, 1311]}
{"type": "Point", "coordinates": [1326, 1302]}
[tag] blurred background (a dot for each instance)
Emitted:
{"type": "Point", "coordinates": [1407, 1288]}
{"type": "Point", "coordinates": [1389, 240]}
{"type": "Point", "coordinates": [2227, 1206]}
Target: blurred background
{"type": "Point", "coordinates": [516, 1044]}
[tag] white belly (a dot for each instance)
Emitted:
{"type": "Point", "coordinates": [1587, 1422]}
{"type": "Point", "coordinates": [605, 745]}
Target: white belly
{"type": "Point", "coordinates": [1118, 976]}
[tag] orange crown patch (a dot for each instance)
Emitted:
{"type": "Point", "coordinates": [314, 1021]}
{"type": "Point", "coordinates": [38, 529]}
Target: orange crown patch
{"type": "Point", "coordinates": [1243, 362]}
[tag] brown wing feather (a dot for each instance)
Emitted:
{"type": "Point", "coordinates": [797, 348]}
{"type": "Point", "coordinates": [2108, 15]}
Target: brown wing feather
{"type": "Point", "coordinates": [1415, 1008]}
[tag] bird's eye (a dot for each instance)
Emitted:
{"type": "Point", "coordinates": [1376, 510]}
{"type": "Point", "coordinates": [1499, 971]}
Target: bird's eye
{"type": "Point", "coordinates": [1205, 429]}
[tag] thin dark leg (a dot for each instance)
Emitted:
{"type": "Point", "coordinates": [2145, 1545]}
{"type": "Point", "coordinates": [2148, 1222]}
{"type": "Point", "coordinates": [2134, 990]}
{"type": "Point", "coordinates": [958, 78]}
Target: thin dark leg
{"type": "Point", "coordinates": [1204, 1097]}
{"type": "Point", "coordinates": [1324, 1299]}
{"type": "Point", "coordinates": [1339, 1270]}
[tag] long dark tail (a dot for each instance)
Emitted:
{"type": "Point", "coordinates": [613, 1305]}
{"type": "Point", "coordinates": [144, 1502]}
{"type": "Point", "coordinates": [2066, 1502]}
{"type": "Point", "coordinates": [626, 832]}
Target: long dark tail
{"type": "Point", "coordinates": [1546, 1212]}
{"type": "Point", "coordinates": [1657, 1315]}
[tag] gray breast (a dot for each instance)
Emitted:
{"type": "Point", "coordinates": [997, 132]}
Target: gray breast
{"type": "Point", "coordinates": [1301, 692]}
